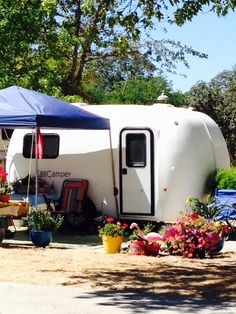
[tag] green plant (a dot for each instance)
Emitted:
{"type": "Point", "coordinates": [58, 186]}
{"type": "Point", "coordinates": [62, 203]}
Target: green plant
{"type": "Point", "coordinates": [209, 210]}
{"type": "Point", "coordinates": [226, 178]}
{"type": "Point", "coordinates": [43, 220]}
{"type": "Point", "coordinates": [112, 228]}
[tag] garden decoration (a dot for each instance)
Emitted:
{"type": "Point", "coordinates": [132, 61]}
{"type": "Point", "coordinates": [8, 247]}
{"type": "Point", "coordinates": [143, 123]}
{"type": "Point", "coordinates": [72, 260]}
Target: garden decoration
{"type": "Point", "coordinates": [150, 237]}
{"type": "Point", "coordinates": [41, 226]}
{"type": "Point", "coordinates": [194, 236]}
{"type": "Point", "coordinates": [112, 234]}
{"type": "Point", "coordinates": [6, 188]}
{"type": "Point", "coordinates": [144, 242]}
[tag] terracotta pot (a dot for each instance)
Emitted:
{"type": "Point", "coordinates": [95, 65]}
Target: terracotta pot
{"type": "Point", "coordinates": [137, 247]}
{"type": "Point", "coordinates": [112, 244]}
{"type": "Point", "coordinates": [5, 198]}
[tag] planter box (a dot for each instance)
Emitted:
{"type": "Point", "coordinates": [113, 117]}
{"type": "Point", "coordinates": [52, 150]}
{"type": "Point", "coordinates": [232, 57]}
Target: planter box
{"type": "Point", "coordinates": [14, 209]}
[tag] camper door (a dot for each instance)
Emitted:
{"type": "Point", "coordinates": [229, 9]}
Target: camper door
{"type": "Point", "coordinates": [136, 172]}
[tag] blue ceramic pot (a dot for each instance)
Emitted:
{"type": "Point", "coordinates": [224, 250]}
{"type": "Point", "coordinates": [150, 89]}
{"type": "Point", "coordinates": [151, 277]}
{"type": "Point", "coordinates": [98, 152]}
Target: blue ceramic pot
{"type": "Point", "coordinates": [41, 238]}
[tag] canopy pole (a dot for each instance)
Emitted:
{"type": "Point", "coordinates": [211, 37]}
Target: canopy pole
{"type": "Point", "coordinates": [36, 169]}
{"type": "Point", "coordinates": [30, 166]}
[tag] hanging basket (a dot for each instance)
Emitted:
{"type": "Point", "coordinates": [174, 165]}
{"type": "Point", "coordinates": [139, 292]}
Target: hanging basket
{"type": "Point", "coordinates": [112, 244]}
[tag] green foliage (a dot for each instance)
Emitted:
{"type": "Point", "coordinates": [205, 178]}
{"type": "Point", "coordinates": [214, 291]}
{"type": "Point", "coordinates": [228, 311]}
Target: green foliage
{"type": "Point", "coordinates": [226, 178]}
{"type": "Point", "coordinates": [43, 220]}
{"type": "Point", "coordinates": [55, 42]}
{"type": "Point", "coordinates": [137, 91]}
{"type": "Point", "coordinates": [209, 211]}
{"type": "Point", "coordinates": [218, 100]}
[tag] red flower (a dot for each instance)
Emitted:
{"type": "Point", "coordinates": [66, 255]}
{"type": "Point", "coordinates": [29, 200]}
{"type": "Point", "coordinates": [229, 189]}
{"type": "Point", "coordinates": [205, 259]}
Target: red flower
{"type": "Point", "coordinates": [126, 226]}
{"type": "Point", "coordinates": [110, 219]}
{"type": "Point", "coordinates": [3, 175]}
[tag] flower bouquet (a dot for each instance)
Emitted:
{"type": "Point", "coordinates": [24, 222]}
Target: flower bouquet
{"type": "Point", "coordinates": [194, 236]}
{"type": "Point", "coordinates": [112, 228]}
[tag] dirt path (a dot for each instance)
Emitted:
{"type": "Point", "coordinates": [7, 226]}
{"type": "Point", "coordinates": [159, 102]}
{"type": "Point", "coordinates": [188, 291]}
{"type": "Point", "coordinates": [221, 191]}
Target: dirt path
{"type": "Point", "coordinates": [74, 266]}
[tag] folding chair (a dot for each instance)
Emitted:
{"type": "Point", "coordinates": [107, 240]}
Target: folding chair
{"type": "Point", "coordinates": [77, 208]}
{"type": "Point", "coordinates": [71, 203]}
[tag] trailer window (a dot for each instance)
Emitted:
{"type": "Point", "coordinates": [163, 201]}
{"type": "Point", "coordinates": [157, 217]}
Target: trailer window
{"type": "Point", "coordinates": [51, 146]}
{"type": "Point", "coordinates": [136, 150]}
{"type": "Point", "coordinates": [6, 134]}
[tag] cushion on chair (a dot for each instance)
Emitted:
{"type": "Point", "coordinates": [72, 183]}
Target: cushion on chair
{"type": "Point", "coordinates": [73, 195]}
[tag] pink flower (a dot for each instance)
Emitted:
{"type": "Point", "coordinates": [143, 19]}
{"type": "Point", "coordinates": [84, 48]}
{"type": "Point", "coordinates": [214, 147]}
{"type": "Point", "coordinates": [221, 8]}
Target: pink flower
{"type": "Point", "coordinates": [212, 239]}
{"type": "Point", "coordinates": [172, 233]}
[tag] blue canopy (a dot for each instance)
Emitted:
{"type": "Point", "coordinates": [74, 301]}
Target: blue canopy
{"type": "Point", "coordinates": [20, 107]}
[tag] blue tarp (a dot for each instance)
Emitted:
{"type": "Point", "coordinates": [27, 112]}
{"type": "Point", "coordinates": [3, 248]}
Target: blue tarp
{"type": "Point", "coordinates": [20, 107]}
{"type": "Point", "coordinates": [226, 199]}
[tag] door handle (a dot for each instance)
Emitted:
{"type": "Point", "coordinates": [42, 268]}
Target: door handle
{"type": "Point", "coordinates": [124, 171]}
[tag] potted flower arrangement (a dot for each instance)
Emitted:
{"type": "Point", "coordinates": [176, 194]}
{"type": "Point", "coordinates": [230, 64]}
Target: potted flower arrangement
{"type": "Point", "coordinates": [6, 188]}
{"type": "Point", "coordinates": [194, 236]}
{"type": "Point", "coordinates": [41, 225]}
{"type": "Point", "coordinates": [112, 233]}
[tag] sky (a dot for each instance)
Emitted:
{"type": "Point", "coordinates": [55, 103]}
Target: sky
{"type": "Point", "coordinates": [209, 34]}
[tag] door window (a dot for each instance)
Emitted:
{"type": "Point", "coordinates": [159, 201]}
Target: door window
{"type": "Point", "coordinates": [136, 150]}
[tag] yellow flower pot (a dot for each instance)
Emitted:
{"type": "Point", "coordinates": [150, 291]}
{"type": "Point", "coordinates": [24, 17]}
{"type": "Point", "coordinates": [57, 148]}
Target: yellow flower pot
{"type": "Point", "coordinates": [112, 244]}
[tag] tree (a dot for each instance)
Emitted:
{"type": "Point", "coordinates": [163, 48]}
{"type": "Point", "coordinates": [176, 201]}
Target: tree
{"type": "Point", "coordinates": [54, 42]}
{"type": "Point", "coordinates": [218, 100]}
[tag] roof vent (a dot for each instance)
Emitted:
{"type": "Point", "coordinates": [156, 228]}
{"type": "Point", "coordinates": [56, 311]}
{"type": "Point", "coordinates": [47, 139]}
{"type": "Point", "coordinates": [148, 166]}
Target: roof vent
{"type": "Point", "coordinates": [163, 100]}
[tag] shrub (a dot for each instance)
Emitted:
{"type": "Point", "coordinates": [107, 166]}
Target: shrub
{"type": "Point", "coordinates": [41, 220]}
{"type": "Point", "coordinates": [226, 178]}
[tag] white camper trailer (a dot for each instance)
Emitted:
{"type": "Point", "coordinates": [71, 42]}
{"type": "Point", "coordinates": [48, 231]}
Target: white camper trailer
{"type": "Point", "coordinates": [144, 168]}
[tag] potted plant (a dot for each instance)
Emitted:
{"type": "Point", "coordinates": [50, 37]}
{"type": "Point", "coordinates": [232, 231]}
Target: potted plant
{"type": "Point", "coordinates": [194, 236]}
{"type": "Point", "coordinates": [41, 225]}
{"type": "Point", "coordinates": [6, 188]}
{"type": "Point", "coordinates": [112, 234]}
